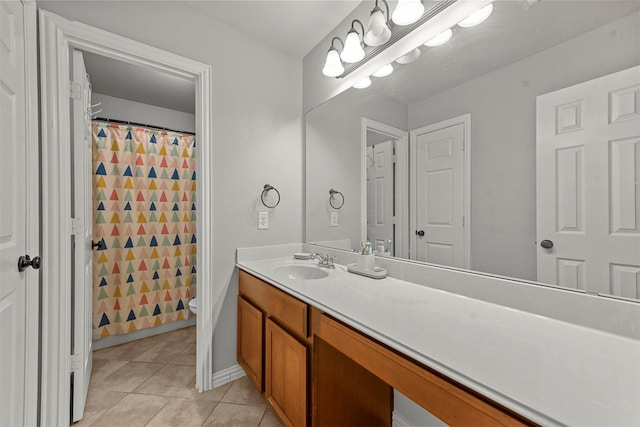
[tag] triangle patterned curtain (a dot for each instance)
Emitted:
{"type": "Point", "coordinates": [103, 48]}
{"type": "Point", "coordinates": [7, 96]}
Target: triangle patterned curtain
{"type": "Point", "coordinates": [144, 214]}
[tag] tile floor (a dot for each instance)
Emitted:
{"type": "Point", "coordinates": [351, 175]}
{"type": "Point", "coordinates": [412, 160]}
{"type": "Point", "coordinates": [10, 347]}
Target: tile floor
{"type": "Point", "coordinates": [151, 382]}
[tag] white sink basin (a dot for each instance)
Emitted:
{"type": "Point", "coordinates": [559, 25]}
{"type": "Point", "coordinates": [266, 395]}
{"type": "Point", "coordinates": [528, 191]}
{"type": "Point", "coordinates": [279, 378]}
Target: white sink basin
{"type": "Point", "coordinates": [299, 272]}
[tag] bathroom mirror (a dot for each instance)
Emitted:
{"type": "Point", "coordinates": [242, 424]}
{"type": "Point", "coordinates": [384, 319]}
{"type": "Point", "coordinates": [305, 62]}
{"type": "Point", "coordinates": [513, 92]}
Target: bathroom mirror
{"type": "Point", "coordinates": [476, 96]}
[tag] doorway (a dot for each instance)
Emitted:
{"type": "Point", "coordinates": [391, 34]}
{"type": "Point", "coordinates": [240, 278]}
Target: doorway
{"type": "Point", "coordinates": [59, 37]}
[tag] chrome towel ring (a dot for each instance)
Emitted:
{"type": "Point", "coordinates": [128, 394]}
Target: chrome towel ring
{"type": "Point", "coordinates": [265, 192]}
{"type": "Point", "coordinates": [332, 193]}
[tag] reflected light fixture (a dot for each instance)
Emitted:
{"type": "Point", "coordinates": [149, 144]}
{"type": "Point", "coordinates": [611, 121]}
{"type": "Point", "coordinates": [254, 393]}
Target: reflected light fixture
{"type": "Point", "coordinates": [384, 71]}
{"type": "Point", "coordinates": [477, 17]}
{"type": "Point", "coordinates": [363, 84]}
{"type": "Point", "coordinates": [378, 31]}
{"type": "Point", "coordinates": [409, 57]}
{"type": "Point", "coordinates": [440, 39]}
{"type": "Point", "coordinates": [407, 12]}
{"type": "Point", "coordinates": [333, 66]}
{"type": "Point", "coordinates": [353, 51]}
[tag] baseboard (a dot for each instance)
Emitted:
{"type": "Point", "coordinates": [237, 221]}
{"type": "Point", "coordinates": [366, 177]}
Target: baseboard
{"type": "Point", "coordinates": [398, 420]}
{"type": "Point", "coordinates": [227, 375]}
{"type": "Point", "coordinates": [142, 333]}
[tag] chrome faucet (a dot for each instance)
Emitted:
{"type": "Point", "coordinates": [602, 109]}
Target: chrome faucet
{"type": "Point", "coordinates": [325, 261]}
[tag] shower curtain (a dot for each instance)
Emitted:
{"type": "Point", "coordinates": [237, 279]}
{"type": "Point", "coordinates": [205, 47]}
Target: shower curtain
{"type": "Point", "coordinates": [145, 219]}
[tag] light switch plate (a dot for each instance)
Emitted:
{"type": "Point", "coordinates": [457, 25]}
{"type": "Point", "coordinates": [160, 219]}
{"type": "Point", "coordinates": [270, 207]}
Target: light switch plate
{"type": "Point", "coordinates": [334, 219]}
{"type": "Point", "coordinates": [263, 220]}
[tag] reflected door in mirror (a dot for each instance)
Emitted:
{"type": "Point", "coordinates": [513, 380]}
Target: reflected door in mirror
{"type": "Point", "coordinates": [588, 168]}
{"type": "Point", "coordinates": [380, 195]}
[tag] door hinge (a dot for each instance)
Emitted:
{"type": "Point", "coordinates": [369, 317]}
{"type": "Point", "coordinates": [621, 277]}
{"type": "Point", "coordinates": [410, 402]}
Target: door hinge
{"type": "Point", "coordinates": [394, 158]}
{"type": "Point", "coordinates": [75, 363]}
{"type": "Point", "coordinates": [76, 226]}
{"type": "Point", "coordinates": [75, 90]}
{"type": "Point", "coordinates": [463, 221]}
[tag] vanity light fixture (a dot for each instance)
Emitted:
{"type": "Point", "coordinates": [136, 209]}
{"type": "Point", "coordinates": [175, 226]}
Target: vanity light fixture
{"type": "Point", "coordinates": [353, 51]}
{"type": "Point", "coordinates": [378, 31]}
{"type": "Point", "coordinates": [477, 17]}
{"type": "Point", "coordinates": [333, 65]}
{"type": "Point", "coordinates": [407, 12]}
{"type": "Point", "coordinates": [363, 84]}
{"type": "Point", "coordinates": [440, 39]}
{"type": "Point", "coordinates": [384, 71]}
{"type": "Point", "coordinates": [409, 57]}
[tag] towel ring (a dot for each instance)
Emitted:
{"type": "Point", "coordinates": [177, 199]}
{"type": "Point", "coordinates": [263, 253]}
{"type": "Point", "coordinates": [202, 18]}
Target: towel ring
{"type": "Point", "coordinates": [332, 193]}
{"type": "Point", "coordinates": [267, 188]}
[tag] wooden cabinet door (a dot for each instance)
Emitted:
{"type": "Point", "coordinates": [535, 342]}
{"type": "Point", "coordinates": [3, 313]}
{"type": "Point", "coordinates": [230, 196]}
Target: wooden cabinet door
{"type": "Point", "coordinates": [285, 375]}
{"type": "Point", "coordinates": [250, 350]}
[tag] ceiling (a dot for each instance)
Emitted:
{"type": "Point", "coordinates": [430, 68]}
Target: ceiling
{"type": "Point", "coordinates": [292, 26]}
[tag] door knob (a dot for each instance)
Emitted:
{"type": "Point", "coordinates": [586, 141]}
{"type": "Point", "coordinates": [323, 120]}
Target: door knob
{"type": "Point", "coordinates": [547, 244]}
{"type": "Point", "coordinates": [420, 233]}
{"type": "Point", "coordinates": [26, 261]}
{"type": "Point", "coordinates": [97, 244]}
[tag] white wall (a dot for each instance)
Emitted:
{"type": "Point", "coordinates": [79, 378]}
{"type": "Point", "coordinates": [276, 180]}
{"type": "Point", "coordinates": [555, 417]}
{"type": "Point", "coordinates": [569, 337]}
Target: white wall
{"type": "Point", "coordinates": [257, 130]}
{"type": "Point", "coordinates": [333, 153]}
{"type": "Point", "coordinates": [131, 111]}
{"type": "Point", "coordinates": [503, 137]}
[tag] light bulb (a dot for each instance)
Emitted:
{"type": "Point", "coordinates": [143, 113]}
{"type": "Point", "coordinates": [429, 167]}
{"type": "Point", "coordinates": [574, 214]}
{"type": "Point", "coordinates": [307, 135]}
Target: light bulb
{"type": "Point", "coordinates": [407, 12]}
{"type": "Point", "coordinates": [384, 71]}
{"type": "Point", "coordinates": [333, 67]}
{"type": "Point", "coordinates": [440, 39]}
{"type": "Point", "coordinates": [409, 57]}
{"type": "Point", "coordinates": [477, 17]}
{"type": "Point", "coordinates": [378, 32]}
{"type": "Point", "coordinates": [352, 51]}
{"type": "Point", "coordinates": [363, 84]}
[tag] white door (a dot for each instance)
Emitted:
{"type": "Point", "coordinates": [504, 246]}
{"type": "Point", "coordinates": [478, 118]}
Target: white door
{"type": "Point", "coordinates": [82, 256]}
{"type": "Point", "coordinates": [380, 194]}
{"type": "Point", "coordinates": [18, 216]}
{"type": "Point", "coordinates": [588, 184]}
{"type": "Point", "coordinates": [439, 194]}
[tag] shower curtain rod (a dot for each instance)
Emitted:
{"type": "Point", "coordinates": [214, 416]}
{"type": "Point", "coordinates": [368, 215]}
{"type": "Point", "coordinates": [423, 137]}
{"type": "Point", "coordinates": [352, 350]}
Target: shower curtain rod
{"type": "Point", "coordinates": [124, 122]}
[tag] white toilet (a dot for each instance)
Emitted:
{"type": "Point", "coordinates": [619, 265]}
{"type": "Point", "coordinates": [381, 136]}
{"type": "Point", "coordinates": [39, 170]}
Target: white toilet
{"type": "Point", "coordinates": [193, 305]}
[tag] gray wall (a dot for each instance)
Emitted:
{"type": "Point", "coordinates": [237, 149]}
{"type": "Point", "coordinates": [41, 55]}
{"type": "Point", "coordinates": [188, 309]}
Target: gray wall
{"type": "Point", "coordinates": [503, 137]}
{"type": "Point", "coordinates": [257, 130]}
{"type": "Point", "coordinates": [333, 153]}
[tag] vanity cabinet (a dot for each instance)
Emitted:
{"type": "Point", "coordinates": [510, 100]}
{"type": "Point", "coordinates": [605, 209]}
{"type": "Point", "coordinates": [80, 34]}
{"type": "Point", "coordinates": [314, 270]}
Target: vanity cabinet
{"type": "Point", "coordinates": [274, 347]}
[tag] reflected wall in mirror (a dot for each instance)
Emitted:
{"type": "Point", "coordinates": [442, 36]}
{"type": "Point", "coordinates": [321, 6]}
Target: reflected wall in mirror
{"type": "Point", "coordinates": [484, 94]}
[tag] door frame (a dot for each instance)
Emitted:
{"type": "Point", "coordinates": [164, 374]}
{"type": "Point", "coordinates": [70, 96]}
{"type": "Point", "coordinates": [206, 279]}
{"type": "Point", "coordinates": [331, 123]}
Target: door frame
{"type": "Point", "coordinates": [401, 186]}
{"type": "Point", "coordinates": [464, 120]}
{"type": "Point", "coordinates": [57, 36]}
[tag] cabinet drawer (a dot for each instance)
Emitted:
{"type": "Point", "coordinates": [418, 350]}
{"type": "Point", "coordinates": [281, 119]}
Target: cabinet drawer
{"type": "Point", "coordinates": [289, 312]}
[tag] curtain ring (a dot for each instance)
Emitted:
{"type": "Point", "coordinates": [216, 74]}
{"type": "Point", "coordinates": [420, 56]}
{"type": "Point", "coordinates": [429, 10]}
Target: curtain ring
{"type": "Point", "coordinates": [332, 193]}
{"type": "Point", "coordinates": [267, 188]}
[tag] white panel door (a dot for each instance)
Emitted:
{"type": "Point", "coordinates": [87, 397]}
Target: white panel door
{"type": "Point", "coordinates": [439, 183]}
{"type": "Point", "coordinates": [16, 215]}
{"type": "Point", "coordinates": [380, 194]}
{"type": "Point", "coordinates": [588, 184]}
{"type": "Point", "coordinates": [82, 256]}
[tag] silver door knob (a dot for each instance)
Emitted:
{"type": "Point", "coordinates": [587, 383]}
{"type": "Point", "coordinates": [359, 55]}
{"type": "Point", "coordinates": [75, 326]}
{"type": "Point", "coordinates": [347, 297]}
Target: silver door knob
{"type": "Point", "coordinates": [547, 244]}
{"type": "Point", "coordinates": [420, 233]}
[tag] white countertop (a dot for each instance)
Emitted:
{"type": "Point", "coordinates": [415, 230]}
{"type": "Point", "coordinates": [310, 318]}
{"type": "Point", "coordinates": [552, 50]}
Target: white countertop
{"type": "Point", "coordinates": [550, 371]}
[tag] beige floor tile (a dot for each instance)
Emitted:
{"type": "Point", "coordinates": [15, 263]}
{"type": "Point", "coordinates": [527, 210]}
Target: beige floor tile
{"type": "Point", "coordinates": [98, 402]}
{"type": "Point", "coordinates": [128, 377]}
{"type": "Point", "coordinates": [244, 392]}
{"type": "Point", "coordinates": [102, 368]}
{"type": "Point", "coordinates": [214, 395]}
{"type": "Point", "coordinates": [183, 413]}
{"type": "Point", "coordinates": [128, 351]}
{"type": "Point", "coordinates": [161, 352]}
{"type": "Point", "coordinates": [132, 411]}
{"type": "Point", "coordinates": [187, 358]}
{"type": "Point", "coordinates": [231, 415]}
{"type": "Point", "coordinates": [171, 380]}
{"type": "Point", "coordinates": [270, 419]}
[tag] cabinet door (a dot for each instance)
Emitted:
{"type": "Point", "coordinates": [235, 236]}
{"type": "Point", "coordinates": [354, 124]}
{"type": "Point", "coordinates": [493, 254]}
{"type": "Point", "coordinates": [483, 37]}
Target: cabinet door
{"type": "Point", "coordinates": [286, 375]}
{"type": "Point", "coordinates": [250, 350]}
